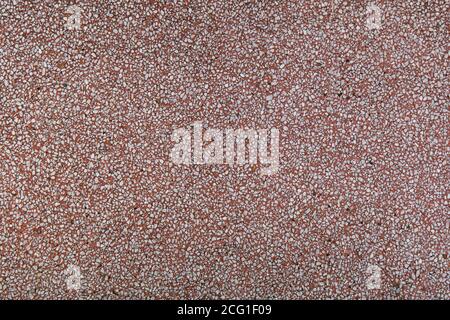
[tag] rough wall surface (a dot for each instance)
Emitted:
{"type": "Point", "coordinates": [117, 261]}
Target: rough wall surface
{"type": "Point", "coordinates": [90, 96]}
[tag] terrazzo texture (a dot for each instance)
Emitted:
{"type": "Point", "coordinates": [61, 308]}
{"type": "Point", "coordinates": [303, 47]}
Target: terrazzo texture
{"type": "Point", "coordinates": [86, 118]}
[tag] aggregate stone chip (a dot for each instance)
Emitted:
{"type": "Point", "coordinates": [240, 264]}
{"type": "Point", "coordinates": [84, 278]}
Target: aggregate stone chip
{"type": "Point", "coordinates": [224, 149]}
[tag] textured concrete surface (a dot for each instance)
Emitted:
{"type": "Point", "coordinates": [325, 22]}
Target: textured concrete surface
{"type": "Point", "coordinates": [92, 206]}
